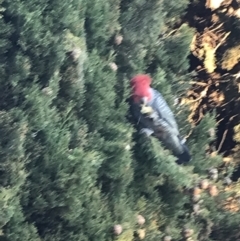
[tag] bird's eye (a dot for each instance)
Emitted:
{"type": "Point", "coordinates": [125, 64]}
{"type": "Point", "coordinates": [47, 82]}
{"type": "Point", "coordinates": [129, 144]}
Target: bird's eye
{"type": "Point", "coordinates": [144, 100]}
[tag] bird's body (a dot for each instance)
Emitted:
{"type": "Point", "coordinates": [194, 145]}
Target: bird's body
{"type": "Point", "coordinates": [154, 117]}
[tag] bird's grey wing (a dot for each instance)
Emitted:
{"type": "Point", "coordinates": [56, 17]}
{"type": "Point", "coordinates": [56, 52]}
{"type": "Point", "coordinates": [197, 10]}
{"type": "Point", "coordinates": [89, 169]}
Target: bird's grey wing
{"type": "Point", "coordinates": [161, 107]}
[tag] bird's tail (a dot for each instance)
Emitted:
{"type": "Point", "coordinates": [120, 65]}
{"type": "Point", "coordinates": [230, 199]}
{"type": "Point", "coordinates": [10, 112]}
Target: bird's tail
{"type": "Point", "coordinates": [185, 157]}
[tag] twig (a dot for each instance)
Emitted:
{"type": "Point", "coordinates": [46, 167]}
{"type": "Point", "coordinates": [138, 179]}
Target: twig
{"type": "Point", "coordinates": [220, 121]}
{"type": "Point", "coordinates": [232, 117]}
{"type": "Point", "coordinates": [190, 132]}
{"type": "Point", "coordinates": [198, 83]}
{"type": "Point", "coordinates": [200, 115]}
{"type": "Point", "coordinates": [223, 139]}
{"type": "Point", "coordinates": [201, 96]}
{"type": "Point", "coordinates": [222, 40]}
{"type": "Point", "coordinates": [219, 26]}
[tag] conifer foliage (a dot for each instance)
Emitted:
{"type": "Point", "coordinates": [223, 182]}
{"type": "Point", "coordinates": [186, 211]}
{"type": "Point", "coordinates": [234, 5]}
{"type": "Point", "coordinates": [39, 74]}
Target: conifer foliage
{"type": "Point", "coordinates": [72, 165]}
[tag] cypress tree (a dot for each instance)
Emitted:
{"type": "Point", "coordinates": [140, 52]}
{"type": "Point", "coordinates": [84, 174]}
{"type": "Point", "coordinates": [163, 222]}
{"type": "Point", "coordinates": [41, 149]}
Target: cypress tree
{"type": "Point", "coordinates": [73, 166]}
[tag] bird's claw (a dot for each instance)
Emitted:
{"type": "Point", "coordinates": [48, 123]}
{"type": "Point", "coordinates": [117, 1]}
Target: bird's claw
{"type": "Point", "coordinates": [183, 141]}
{"type": "Point", "coordinates": [154, 116]}
{"type": "Point", "coordinates": [146, 131]}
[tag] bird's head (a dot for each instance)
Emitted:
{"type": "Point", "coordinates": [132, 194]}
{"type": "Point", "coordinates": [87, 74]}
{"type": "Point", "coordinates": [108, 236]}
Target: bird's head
{"type": "Point", "coordinates": [141, 88]}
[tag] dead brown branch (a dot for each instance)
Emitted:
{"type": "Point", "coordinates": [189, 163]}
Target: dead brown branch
{"type": "Point", "coordinates": [223, 139]}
